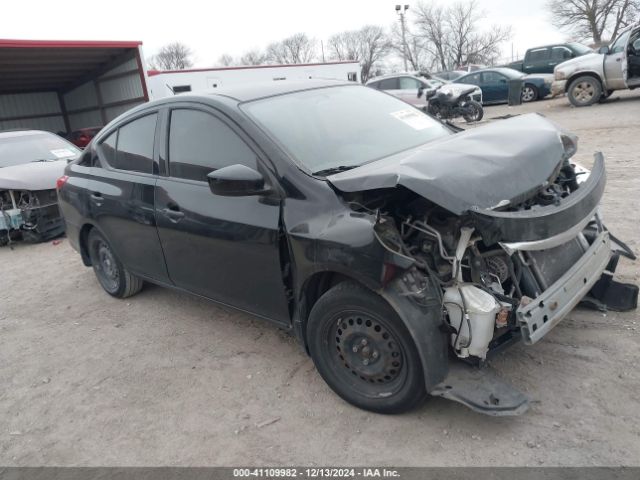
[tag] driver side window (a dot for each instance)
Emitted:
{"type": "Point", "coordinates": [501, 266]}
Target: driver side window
{"type": "Point", "coordinates": [408, 83]}
{"type": "Point", "coordinates": [618, 45]}
{"type": "Point", "coordinates": [200, 143]}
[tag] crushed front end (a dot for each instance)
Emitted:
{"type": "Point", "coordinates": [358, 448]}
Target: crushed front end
{"type": "Point", "coordinates": [503, 273]}
{"type": "Point", "coordinates": [34, 215]}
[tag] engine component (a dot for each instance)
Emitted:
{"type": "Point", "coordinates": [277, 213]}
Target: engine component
{"type": "Point", "coordinates": [472, 313]}
{"type": "Point", "coordinates": [497, 266]}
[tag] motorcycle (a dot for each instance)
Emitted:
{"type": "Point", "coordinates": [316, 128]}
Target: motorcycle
{"type": "Point", "coordinates": [450, 101]}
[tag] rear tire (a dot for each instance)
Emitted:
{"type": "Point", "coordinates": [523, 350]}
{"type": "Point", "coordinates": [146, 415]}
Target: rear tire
{"type": "Point", "coordinates": [529, 93]}
{"type": "Point", "coordinates": [584, 91]}
{"type": "Point", "coordinates": [477, 112]}
{"type": "Point", "coordinates": [114, 278]}
{"type": "Point", "coordinates": [363, 350]}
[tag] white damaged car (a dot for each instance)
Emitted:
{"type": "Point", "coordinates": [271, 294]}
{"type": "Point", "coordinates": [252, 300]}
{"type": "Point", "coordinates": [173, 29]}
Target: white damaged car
{"type": "Point", "coordinates": [31, 161]}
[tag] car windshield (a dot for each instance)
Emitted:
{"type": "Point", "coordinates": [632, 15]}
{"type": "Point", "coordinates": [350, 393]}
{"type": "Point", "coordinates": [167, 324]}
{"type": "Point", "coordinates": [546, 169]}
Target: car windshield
{"type": "Point", "coordinates": [39, 147]}
{"type": "Point", "coordinates": [581, 49]}
{"type": "Point", "coordinates": [336, 128]}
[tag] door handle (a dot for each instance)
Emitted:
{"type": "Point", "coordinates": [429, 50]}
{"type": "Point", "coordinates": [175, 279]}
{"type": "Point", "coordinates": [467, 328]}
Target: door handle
{"type": "Point", "coordinates": [96, 197]}
{"type": "Point", "coordinates": [173, 214]}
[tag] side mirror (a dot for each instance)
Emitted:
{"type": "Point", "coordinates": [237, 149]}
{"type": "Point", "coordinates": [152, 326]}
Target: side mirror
{"type": "Point", "coordinates": [604, 49]}
{"type": "Point", "coordinates": [420, 90]}
{"type": "Point", "coordinates": [236, 181]}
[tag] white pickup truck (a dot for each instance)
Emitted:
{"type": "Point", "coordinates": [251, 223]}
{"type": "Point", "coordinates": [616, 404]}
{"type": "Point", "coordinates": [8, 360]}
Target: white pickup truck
{"type": "Point", "coordinates": [594, 76]}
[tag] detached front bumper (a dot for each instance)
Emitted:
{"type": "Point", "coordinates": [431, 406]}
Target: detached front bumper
{"type": "Point", "coordinates": [558, 87]}
{"type": "Point", "coordinates": [543, 313]}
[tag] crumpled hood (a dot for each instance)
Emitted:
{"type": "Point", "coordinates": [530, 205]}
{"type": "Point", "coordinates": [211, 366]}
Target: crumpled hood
{"type": "Point", "coordinates": [481, 167]}
{"type": "Point", "coordinates": [32, 176]}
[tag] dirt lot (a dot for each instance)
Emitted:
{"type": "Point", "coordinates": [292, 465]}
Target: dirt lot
{"type": "Point", "coordinates": [164, 378]}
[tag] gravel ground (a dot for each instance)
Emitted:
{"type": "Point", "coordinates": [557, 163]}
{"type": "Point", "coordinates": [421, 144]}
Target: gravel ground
{"type": "Point", "coordinates": [164, 378]}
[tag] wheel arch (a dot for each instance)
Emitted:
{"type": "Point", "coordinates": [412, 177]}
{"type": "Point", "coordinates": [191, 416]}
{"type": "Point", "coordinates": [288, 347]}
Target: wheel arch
{"type": "Point", "coordinates": [589, 73]}
{"type": "Point", "coordinates": [313, 287]}
{"type": "Point", "coordinates": [83, 239]}
{"type": "Point", "coordinates": [424, 323]}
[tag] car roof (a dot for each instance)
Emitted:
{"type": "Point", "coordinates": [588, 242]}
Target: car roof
{"type": "Point", "coordinates": [256, 90]}
{"type": "Point", "coordinates": [21, 133]}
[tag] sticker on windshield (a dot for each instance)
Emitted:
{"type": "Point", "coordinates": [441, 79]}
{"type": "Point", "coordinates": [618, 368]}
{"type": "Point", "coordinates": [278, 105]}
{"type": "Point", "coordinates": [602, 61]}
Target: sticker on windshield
{"type": "Point", "coordinates": [413, 118]}
{"type": "Point", "coordinates": [62, 152]}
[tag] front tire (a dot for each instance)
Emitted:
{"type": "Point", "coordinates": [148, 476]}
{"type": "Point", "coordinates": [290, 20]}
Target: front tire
{"type": "Point", "coordinates": [114, 278]}
{"type": "Point", "coordinates": [529, 93]}
{"type": "Point", "coordinates": [364, 352]}
{"type": "Point", "coordinates": [476, 112]}
{"type": "Point", "coordinates": [584, 91]}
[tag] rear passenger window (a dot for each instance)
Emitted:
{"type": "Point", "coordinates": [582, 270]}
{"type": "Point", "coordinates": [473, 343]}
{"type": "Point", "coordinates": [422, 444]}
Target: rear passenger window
{"type": "Point", "coordinates": [200, 143]}
{"type": "Point", "coordinates": [106, 151]}
{"type": "Point", "coordinates": [560, 53]}
{"type": "Point", "coordinates": [388, 84]}
{"type": "Point", "coordinates": [473, 79]}
{"type": "Point", "coordinates": [135, 145]}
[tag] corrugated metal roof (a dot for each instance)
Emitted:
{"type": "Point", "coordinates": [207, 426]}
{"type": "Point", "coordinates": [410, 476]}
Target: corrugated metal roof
{"type": "Point", "coordinates": [32, 65]}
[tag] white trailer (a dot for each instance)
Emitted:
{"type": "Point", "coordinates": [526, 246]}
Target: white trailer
{"type": "Point", "coordinates": [61, 86]}
{"type": "Point", "coordinates": [172, 82]}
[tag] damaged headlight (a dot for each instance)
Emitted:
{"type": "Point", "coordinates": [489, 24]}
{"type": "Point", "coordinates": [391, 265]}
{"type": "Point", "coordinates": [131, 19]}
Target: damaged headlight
{"type": "Point", "coordinates": [570, 144]}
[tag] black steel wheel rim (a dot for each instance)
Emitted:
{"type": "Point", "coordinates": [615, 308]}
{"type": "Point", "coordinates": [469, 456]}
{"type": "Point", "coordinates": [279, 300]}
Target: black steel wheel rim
{"type": "Point", "coordinates": [366, 354]}
{"type": "Point", "coordinates": [107, 267]}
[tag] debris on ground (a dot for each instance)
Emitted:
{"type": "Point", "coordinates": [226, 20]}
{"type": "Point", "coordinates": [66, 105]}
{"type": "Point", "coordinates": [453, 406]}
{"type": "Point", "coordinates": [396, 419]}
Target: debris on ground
{"type": "Point", "coordinates": [267, 422]}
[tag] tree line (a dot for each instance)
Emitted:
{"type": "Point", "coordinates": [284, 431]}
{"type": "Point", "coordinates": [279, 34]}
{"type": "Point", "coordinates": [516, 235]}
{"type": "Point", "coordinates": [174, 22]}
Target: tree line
{"type": "Point", "coordinates": [438, 36]}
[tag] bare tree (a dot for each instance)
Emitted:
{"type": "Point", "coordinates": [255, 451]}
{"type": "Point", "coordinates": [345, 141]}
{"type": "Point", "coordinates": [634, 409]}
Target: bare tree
{"type": "Point", "coordinates": [417, 55]}
{"type": "Point", "coordinates": [252, 57]}
{"type": "Point", "coordinates": [466, 43]}
{"type": "Point", "coordinates": [374, 45]}
{"type": "Point", "coordinates": [297, 48]}
{"type": "Point", "coordinates": [225, 60]}
{"type": "Point", "coordinates": [367, 46]}
{"type": "Point", "coordinates": [173, 56]}
{"type": "Point", "coordinates": [451, 34]}
{"type": "Point", "coordinates": [431, 25]}
{"type": "Point", "coordinates": [598, 20]}
{"type": "Point", "coordinates": [344, 46]}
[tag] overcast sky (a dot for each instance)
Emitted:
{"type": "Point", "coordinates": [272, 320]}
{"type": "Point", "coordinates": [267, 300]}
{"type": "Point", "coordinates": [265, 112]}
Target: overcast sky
{"type": "Point", "coordinates": [214, 27]}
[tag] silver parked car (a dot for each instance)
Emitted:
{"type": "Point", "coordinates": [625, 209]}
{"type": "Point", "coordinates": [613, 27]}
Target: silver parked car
{"type": "Point", "coordinates": [31, 162]}
{"type": "Point", "coordinates": [406, 85]}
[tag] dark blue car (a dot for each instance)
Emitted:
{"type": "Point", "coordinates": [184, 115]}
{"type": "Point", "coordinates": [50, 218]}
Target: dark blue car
{"type": "Point", "coordinates": [494, 83]}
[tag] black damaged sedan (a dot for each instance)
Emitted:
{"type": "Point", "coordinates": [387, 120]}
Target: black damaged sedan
{"type": "Point", "coordinates": [400, 251]}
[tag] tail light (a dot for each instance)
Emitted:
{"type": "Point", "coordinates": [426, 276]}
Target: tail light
{"type": "Point", "coordinates": [61, 181]}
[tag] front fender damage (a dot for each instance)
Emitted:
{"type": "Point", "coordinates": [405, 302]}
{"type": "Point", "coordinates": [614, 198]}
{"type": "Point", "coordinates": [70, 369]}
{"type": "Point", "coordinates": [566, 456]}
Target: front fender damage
{"type": "Point", "coordinates": [419, 305]}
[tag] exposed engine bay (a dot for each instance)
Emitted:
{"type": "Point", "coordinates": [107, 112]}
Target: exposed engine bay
{"type": "Point", "coordinates": [485, 286]}
{"type": "Point", "coordinates": [34, 215]}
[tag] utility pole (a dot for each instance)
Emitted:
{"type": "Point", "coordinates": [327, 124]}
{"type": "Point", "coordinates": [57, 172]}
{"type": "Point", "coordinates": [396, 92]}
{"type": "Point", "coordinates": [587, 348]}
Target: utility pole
{"type": "Point", "coordinates": [402, 10]}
